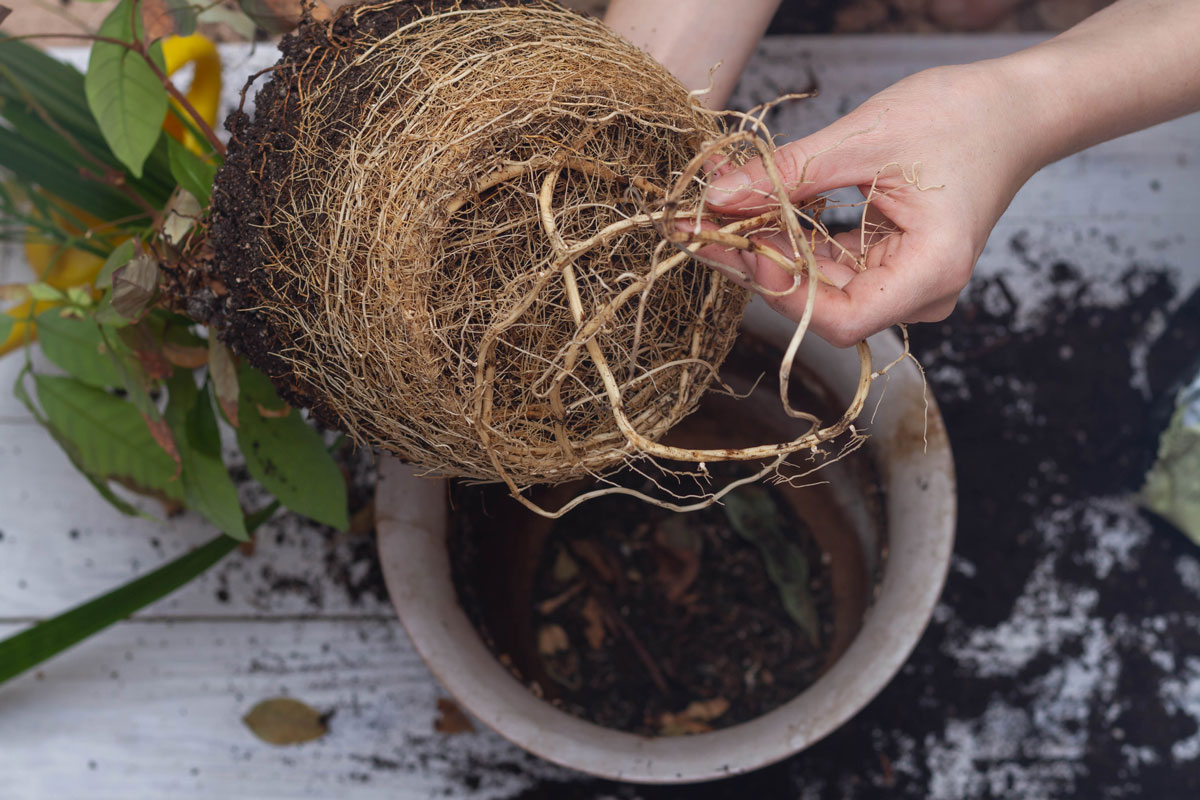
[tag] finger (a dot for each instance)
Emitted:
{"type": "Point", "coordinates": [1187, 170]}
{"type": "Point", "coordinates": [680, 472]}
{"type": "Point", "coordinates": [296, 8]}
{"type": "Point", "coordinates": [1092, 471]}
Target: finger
{"type": "Point", "coordinates": [809, 166]}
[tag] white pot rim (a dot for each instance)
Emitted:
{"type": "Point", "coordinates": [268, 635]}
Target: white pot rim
{"type": "Point", "coordinates": [918, 473]}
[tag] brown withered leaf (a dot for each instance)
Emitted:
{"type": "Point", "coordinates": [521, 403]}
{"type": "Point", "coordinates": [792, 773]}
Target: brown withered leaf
{"type": "Point", "coordinates": [549, 606]}
{"type": "Point", "coordinates": [273, 413]}
{"type": "Point", "coordinates": [363, 520]}
{"type": "Point", "coordinates": [224, 376]}
{"type": "Point", "coordinates": [552, 639]}
{"type": "Point", "coordinates": [134, 285]}
{"type": "Point", "coordinates": [285, 721]}
{"type": "Point", "coordinates": [171, 506]}
{"type": "Point", "coordinates": [565, 567]}
{"type": "Point", "coordinates": [162, 435]}
{"type": "Point", "coordinates": [594, 616]}
{"type": "Point", "coordinates": [451, 720]}
{"type": "Point", "coordinates": [693, 719]}
{"type": "Point", "coordinates": [182, 355]}
{"type": "Point", "coordinates": [154, 363]}
{"type": "Point", "coordinates": [597, 557]}
{"type": "Point", "coordinates": [678, 548]}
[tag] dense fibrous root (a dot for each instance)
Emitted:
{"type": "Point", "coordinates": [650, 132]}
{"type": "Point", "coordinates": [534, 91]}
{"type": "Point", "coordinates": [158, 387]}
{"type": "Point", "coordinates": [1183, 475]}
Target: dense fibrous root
{"type": "Point", "coordinates": [464, 232]}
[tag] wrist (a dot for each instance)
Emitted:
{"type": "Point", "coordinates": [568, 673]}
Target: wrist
{"type": "Point", "coordinates": [691, 44]}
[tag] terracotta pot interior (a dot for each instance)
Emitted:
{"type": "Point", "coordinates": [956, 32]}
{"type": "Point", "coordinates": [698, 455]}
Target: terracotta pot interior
{"type": "Point", "coordinates": [844, 510]}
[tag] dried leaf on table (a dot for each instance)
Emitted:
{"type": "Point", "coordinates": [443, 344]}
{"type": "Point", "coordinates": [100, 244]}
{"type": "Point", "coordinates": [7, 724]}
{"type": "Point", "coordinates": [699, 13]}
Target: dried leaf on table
{"type": "Point", "coordinates": [362, 521]}
{"type": "Point", "coordinates": [451, 720]}
{"type": "Point", "coordinates": [284, 721]}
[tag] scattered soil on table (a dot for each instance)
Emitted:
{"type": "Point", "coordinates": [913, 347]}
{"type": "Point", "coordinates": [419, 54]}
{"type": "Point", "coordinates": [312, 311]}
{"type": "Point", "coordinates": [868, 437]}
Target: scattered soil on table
{"type": "Point", "coordinates": [659, 623]}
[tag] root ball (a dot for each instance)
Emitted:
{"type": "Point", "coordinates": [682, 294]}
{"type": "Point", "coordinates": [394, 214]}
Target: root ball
{"type": "Point", "coordinates": [441, 232]}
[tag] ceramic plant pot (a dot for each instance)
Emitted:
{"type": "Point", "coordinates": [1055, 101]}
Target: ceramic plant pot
{"type": "Point", "coordinates": [913, 462]}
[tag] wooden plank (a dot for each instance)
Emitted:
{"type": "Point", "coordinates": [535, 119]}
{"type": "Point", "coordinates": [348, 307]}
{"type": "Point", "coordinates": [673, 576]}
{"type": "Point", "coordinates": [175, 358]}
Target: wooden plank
{"type": "Point", "coordinates": [62, 543]}
{"type": "Point", "coordinates": [154, 710]}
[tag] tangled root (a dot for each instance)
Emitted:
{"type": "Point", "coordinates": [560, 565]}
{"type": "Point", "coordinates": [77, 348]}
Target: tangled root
{"type": "Point", "coordinates": [463, 232]}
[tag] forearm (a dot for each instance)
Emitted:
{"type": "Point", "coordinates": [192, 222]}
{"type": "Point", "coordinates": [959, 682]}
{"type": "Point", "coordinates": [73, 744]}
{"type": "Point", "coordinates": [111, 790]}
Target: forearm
{"type": "Point", "coordinates": [689, 37]}
{"type": "Point", "coordinates": [1129, 66]}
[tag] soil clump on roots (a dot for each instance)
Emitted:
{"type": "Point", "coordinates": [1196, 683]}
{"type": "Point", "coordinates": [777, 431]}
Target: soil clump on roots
{"type": "Point", "coordinates": [442, 232]}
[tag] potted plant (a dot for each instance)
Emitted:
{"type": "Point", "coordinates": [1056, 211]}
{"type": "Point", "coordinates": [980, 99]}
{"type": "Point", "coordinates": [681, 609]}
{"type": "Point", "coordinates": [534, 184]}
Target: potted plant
{"type": "Point", "coordinates": [476, 371]}
{"type": "Point", "coordinates": [908, 445]}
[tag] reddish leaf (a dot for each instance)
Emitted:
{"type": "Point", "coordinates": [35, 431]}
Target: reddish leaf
{"type": "Point", "coordinates": [155, 363]}
{"type": "Point", "coordinates": [162, 434]}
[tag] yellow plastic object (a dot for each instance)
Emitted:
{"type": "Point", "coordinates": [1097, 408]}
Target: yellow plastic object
{"type": "Point", "coordinates": [60, 267]}
{"type": "Point", "coordinates": [205, 91]}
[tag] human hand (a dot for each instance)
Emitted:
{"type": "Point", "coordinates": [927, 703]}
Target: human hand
{"type": "Point", "coordinates": [940, 154]}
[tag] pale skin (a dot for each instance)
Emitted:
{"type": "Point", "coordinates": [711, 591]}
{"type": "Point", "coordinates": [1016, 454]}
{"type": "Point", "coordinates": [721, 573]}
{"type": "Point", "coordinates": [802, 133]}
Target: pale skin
{"type": "Point", "coordinates": [970, 135]}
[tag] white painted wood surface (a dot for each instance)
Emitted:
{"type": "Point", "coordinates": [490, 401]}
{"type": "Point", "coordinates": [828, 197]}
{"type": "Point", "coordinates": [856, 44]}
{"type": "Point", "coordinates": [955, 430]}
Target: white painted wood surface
{"type": "Point", "coordinates": [152, 708]}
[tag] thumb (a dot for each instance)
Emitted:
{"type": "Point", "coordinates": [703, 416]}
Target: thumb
{"type": "Point", "coordinates": [810, 166]}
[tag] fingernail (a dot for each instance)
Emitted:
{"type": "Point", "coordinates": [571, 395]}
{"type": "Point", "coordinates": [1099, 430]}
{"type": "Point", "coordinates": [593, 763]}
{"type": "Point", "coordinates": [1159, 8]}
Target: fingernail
{"type": "Point", "coordinates": [729, 189]}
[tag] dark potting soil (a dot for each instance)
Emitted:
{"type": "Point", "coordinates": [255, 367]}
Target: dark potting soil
{"type": "Point", "coordinates": [654, 622]}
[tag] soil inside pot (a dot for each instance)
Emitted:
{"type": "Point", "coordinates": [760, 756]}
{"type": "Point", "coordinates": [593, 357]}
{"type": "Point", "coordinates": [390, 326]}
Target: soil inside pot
{"type": "Point", "coordinates": [643, 620]}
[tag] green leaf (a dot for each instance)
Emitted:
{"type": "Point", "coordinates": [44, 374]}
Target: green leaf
{"type": "Point", "coordinates": [1172, 487]}
{"type": "Point", "coordinates": [78, 346]}
{"type": "Point", "coordinates": [44, 640]}
{"type": "Point", "coordinates": [218, 14]}
{"type": "Point", "coordinates": [183, 14]}
{"type": "Point", "coordinates": [754, 515]}
{"type": "Point", "coordinates": [127, 99]}
{"type": "Point", "coordinates": [264, 16]}
{"type": "Point", "coordinates": [118, 258]}
{"type": "Point", "coordinates": [193, 173]}
{"type": "Point", "coordinates": [45, 293]}
{"type": "Point", "coordinates": [6, 327]}
{"type": "Point", "coordinates": [207, 487]}
{"type": "Point", "coordinates": [287, 456]}
{"type": "Point", "coordinates": [22, 394]}
{"type": "Point", "coordinates": [107, 434]}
